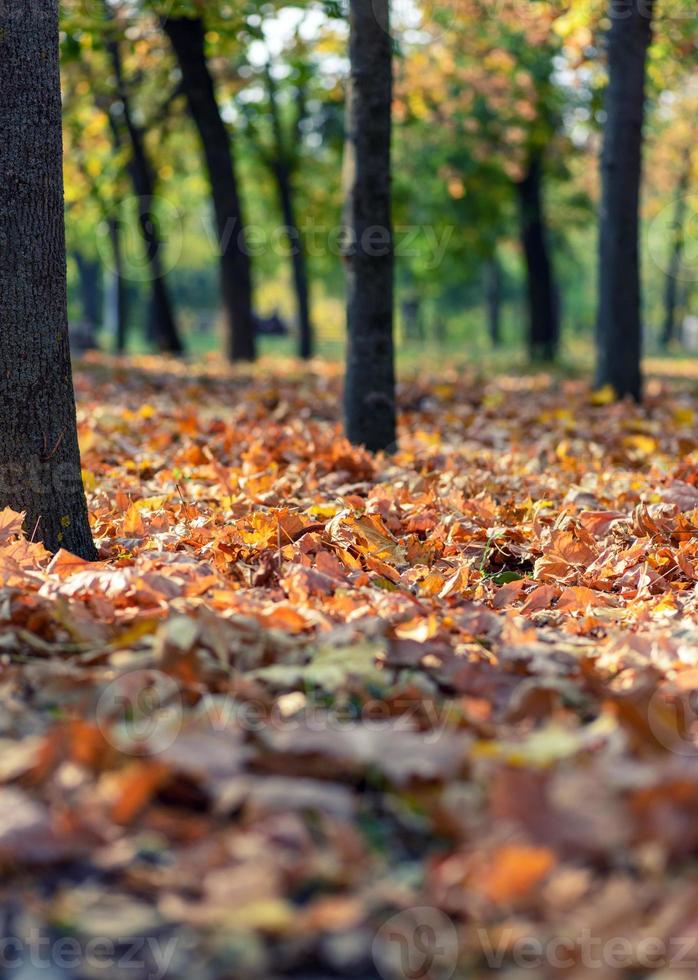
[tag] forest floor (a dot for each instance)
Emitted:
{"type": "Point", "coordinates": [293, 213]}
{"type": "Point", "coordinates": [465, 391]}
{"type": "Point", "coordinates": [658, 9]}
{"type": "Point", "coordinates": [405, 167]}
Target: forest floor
{"type": "Point", "coordinates": [318, 714]}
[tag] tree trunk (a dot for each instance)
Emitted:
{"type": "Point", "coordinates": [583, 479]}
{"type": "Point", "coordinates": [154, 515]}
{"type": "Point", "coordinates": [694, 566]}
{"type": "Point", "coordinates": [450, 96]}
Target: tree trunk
{"type": "Point", "coordinates": [282, 171]}
{"type": "Point", "coordinates": [619, 329]}
{"type": "Point", "coordinates": [412, 319]}
{"type": "Point", "coordinates": [89, 274]}
{"type": "Point", "coordinates": [369, 396]}
{"type": "Point", "coordinates": [676, 253]}
{"type": "Point", "coordinates": [39, 457]}
{"type": "Point", "coordinates": [543, 318]}
{"type": "Point", "coordinates": [298, 260]}
{"type": "Point", "coordinates": [118, 290]}
{"type": "Point", "coordinates": [168, 337]}
{"type": "Point", "coordinates": [493, 299]}
{"type": "Point", "coordinates": [187, 36]}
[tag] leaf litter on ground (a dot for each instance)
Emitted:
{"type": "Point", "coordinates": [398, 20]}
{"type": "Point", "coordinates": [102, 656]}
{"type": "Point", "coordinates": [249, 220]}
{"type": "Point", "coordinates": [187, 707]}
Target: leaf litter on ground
{"type": "Point", "coordinates": [306, 689]}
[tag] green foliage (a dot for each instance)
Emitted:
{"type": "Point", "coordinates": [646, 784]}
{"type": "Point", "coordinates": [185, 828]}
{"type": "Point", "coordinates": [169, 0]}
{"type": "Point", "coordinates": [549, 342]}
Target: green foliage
{"type": "Point", "coordinates": [476, 95]}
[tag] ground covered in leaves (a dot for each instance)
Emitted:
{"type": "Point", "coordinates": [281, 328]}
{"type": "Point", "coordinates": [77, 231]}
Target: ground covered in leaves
{"type": "Point", "coordinates": [319, 714]}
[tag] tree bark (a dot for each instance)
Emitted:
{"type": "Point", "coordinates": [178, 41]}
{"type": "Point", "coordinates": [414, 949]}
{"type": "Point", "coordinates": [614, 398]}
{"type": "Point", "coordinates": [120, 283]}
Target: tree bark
{"type": "Point", "coordinates": [369, 396]}
{"type": "Point", "coordinates": [543, 318]}
{"type": "Point", "coordinates": [283, 171]}
{"type": "Point", "coordinates": [619, 328]}
{"type": "Point", "coordinates": [493, 298]}
{"type": "Point", "coordinates": [168, 336]}
{"type": "Point", "coordinates": [187, 36]}
{"type": "Point", "coordinates": [676, 252]}
{"type": "Point", "coordinates": [39, 457]}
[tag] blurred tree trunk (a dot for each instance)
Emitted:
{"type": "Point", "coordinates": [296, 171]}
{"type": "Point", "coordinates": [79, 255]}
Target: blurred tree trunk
{"type": "Point", "coordinates": [619, 328]}
{"type": "Point", "coordinates": [412, 319]}
{"type": "Point", "coordinates": [90, 279]}
{"type": "Point", "coordinates": [282, 169]}
{"type": "Point", "coordinates": [118, 288]}
{"type": "Point", "coordinates": [168, 336]}
{"type": "Point", "coordinates": [39, 457]}
{"type": "Point", "coordinates": [188, 38]}
{"type": "Point", "coordinates": [543, 317]}
{"type": "Point", "coordinates": [676, 252]}
{"type": "Point", "coordinates": [493, 298]}
{"type": "Point", "coordinates": [369, 398]}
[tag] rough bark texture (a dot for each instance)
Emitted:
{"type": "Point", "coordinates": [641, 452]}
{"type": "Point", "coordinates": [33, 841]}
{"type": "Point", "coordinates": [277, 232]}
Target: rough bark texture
{"type": "Point", "coordinates": [676, 253]}
{"type": "Point", "coordinates": [370, 380]}
{"type": "Point", "coordinates": [168, 337]}
{"type": "Point", "coordinates": [187, 36]}
{"type": "Point", "coordinates": [283, 174]}
{"type": "Point", "coordinates": [543, 319]}
{"type": "Point", "coordinates": [619, 328]}
{"type": "Point", "coordinates": [39, 456]}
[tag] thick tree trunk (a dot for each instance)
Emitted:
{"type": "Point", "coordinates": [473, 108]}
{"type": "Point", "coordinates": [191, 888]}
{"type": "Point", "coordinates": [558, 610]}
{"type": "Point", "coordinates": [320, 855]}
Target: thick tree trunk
{"type": "Point", "coordinates": [543, 317]}
{"type": "Point", "coordinates": [187, 36]}
{"type": "Point", "coordinates": [39, 456]}
{"type": "Point", "coordinates": [369, 397]}
{"type": "Point", "coordinates": [168, 336]}
{"type": "Point", "coordinates": [493, 299]}
{"type": "Point", "coordinates": [282, 170]}
{"type": "Point", "coordinates": [676, 253]}
{"type": "Point", "coordinates": [89, 275]}
{"type": "Point", "coordinates": [619, 328]}
{"type": "Point", "coordinates": [118, 289]}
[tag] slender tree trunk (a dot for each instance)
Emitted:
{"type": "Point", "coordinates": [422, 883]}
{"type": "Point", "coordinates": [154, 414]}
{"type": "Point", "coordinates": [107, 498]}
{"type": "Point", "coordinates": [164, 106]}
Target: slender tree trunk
{"type": "Point", "coordinates": [543, 317]}
{"type": "Point", "coordinates": [619, 328]}
{"type": "Point", "coordinates": [89, 275]}
{"type": "Point", "coordinates": [187, 36]}
{"type": "Point", "coordinates": [118, 289]}
{"type": "Point", "coordinates": [412, 319]}
{"type": "Point", "coordinates": [676, 253]}
{"type": "Point", "coordinates": [168, 336]}
{"type": "Point", "coordinates": [283, 171]}
{"type": "Point", "coordinates": [369, 397]}
{"type": "Point", "coordinates": [686, 305]}
{"type": "Point", "coordinates": [493, 298]}
{"type": "Point", "coordinates": [39, 457]}
{"type": "Point", "coordinates": [298, 260]}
